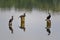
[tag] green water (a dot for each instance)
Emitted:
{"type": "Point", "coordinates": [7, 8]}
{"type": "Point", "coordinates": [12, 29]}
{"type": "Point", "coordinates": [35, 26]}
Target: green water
{"type": "Point", "coordinates": [53, 5]}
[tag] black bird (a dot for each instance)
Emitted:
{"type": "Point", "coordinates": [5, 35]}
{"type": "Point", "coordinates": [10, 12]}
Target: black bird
{"type": "Point", "coordinates": [11, 19]}
{"type": "Point", "coordinates": [10, 24]}
{"type": "Point", "coordinates": [48, 17]}
{"type": "Point", "coordinates": [22, 15]}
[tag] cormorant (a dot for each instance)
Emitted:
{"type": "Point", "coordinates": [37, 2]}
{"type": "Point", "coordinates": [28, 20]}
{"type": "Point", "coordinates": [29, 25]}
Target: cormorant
{"type": "Point", "coordinates": [23, 15]}
{"type": "Point", "coordinates": [49, 16]}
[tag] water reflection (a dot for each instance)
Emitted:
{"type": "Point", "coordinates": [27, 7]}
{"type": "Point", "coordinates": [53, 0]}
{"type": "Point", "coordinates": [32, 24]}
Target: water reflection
{"type": "Point", "coordinates": [48, 26]}
{"type": "Point", "coordinates": [22, 21]}
{"type": "Point", "coordinates": [10, 24]}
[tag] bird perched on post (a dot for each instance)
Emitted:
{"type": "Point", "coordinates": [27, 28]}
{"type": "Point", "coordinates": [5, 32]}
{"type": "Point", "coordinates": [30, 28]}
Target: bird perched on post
{"type": "Point", "coordinates": [22, 15]}
{"type": "Point", "coordinates": [48, 24]}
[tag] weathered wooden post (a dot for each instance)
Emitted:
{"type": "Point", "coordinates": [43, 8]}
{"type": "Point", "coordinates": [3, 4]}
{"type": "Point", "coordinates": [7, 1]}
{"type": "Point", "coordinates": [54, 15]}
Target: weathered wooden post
{"type": "Point", "coordinates": [48, 23]}
{"type": "Point", "coordinates": [22, 22]}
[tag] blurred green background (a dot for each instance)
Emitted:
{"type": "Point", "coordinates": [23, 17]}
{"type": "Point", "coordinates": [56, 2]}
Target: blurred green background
{"type": "Point", "coordinates": [29, 4]}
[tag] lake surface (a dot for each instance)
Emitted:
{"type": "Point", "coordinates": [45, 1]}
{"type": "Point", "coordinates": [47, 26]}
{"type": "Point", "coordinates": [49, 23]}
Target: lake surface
{"type": "Point", "coordinates": [35, 25]}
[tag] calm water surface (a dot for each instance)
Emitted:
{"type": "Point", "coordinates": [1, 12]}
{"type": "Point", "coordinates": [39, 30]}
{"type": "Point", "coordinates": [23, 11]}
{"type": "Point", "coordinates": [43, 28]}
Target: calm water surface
{"type": "Point", "coordinates": [35, 25]}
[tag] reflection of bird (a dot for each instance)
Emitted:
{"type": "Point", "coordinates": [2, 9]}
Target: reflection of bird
{"type": "Point", "coordinates": [48, 30]}
{"type": "Point", "coordinates": [10, 24]}
{"type": "Point", "coordinates": [48, 17]}
{"type": "Point", "coordinates": [11, 29]}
